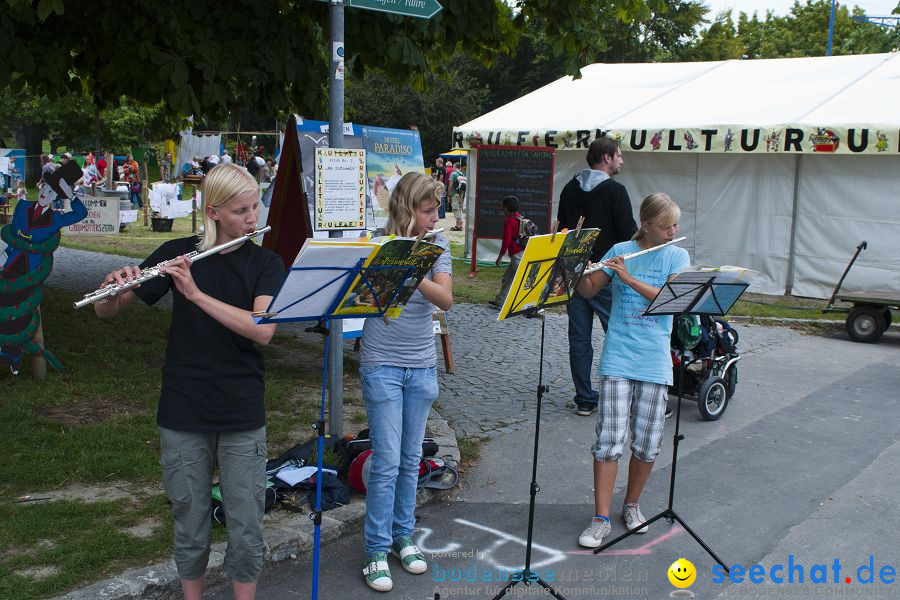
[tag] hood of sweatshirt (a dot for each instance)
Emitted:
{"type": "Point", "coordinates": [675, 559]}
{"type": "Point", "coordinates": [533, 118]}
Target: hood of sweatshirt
{"type": "Point", "coordinates": [589, 179]}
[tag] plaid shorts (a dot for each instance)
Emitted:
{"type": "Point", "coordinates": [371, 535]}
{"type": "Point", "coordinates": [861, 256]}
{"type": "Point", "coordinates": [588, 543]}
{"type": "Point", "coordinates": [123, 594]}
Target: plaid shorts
{"type": "Point", "coordinates": [628, 405]}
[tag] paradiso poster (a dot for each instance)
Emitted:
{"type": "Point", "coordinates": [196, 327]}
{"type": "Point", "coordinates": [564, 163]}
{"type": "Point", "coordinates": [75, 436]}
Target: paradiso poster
{"type": "Point", "coordinates": [390, 154]}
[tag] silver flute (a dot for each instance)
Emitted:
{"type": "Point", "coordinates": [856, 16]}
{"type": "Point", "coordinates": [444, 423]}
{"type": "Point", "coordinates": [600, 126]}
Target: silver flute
{"type": "Point", "coordinates": [601, 264]}
{"type": "Point", "coordinates": [112, 289]}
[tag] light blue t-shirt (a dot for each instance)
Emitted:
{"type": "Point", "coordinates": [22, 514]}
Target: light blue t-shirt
{"type": "Point", "coordinates": [637, 347]}
{"type": "Point", "coordinates": [408, 340]}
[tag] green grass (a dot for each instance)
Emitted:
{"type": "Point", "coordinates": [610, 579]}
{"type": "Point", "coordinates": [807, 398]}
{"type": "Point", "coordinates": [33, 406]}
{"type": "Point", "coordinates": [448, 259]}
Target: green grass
{"type": "Point", "coordinates": [97, 425]}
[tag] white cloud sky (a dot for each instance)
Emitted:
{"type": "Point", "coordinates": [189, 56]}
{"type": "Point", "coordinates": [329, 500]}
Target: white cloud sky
{"type": "Point", "coordinates": [783, 7]}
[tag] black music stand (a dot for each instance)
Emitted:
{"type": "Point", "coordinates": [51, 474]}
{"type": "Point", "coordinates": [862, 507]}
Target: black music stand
{"type": "Point", "coordinates": [688, 293]}
{"type": "Point", "coordinates": [557, 284]}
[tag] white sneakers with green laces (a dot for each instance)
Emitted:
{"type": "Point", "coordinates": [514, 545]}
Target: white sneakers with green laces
{"type": "Point", "coordinates": [410, 556]}
{"type": "Point", "coordinates": [377, 573]}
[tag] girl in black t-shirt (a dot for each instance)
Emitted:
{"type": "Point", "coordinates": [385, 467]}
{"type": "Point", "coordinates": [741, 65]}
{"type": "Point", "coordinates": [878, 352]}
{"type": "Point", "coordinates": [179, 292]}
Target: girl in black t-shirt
{"type": "Point", "coordinates": [211, 408]}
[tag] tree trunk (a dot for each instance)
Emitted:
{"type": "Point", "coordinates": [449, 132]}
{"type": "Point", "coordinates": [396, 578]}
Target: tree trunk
{"type": "Point", "coordinates": [32, 137]}
{"type": "Point", "coordinates": [97, 132]}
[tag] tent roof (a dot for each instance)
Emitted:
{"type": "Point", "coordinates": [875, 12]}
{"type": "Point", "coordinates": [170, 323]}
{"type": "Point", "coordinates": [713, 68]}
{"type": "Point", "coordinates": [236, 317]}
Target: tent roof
{"type": "Point", "coordinates": [458, 153]}
{"type": "Point", "coordinates": [834, 91]}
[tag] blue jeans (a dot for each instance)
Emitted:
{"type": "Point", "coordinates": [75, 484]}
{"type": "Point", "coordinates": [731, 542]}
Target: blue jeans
{"type": "Point", "coordinates": [398, 400]}
{"type": "Point", "coordinates": [581, 313]}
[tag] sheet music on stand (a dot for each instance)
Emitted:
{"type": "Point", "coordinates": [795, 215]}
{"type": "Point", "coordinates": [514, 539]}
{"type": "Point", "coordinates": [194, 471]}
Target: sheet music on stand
{"type": "Point", "coordinates": [344, 279]}
{"type": "Point", "coordinates": [549, 271]}
{"type": "Point", "coordinates": [702, 290]}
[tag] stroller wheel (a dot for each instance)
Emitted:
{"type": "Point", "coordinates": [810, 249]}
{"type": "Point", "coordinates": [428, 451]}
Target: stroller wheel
{"type": "Point", "coordinates": [712, 400]}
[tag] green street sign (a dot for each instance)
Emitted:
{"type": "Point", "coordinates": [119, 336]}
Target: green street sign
{"type": "Point", "coordinates": [423, 9]}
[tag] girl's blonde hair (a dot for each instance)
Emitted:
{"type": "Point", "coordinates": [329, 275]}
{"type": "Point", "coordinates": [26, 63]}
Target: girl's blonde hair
{"type": "Point", "coordinates": [657, 208]}
{"type": "Point", "coordinates": [411, 192]}
{"type": "Point", "coordinates": [221, 185]}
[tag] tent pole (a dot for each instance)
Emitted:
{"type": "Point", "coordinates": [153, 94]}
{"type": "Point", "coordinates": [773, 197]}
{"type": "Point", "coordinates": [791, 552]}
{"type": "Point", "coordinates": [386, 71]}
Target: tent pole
{"type": "Point", "coordinates": [792, 247]}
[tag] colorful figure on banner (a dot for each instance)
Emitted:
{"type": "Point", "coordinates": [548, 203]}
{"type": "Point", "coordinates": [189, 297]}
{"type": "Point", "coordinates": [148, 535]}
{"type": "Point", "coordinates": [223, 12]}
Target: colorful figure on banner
{"type": "Point", "coordinates": [729, 139]}
{"type": "Point", "coordinates": [32, 237]}
{"type": "Point", "coordinates": [656, 140]}
{"type": "Point", "coordinates": [882, 142]}
{"type": "Point", "coordinates": [569, 139]}
{"type": "Point", "coordinates": [824, 140]}
{"type": "Point", "coordinates": [773, 141]}
{"type": "Point", "coordinates": [689, 140]}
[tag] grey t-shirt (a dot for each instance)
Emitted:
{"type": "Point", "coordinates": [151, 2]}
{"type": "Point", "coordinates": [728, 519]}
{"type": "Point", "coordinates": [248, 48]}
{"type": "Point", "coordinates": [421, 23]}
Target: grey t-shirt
{"type": "Point", "coordinates": [408, 340]}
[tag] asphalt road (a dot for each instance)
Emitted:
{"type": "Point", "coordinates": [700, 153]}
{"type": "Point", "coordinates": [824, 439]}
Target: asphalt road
{"type": "Point", "coordinates": [799, 479]}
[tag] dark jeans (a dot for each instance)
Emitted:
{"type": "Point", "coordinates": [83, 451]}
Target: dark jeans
{"type": "Point", "coordinates": [581, 313]}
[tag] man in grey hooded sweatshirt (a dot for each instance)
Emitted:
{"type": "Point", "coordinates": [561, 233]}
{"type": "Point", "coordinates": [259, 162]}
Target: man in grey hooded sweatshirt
{"type": "Point", "coordinates": [603, 203]}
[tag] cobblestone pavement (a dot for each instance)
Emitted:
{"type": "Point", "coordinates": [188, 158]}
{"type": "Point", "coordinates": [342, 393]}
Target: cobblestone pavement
{"type": "Point", "coordinates": [493, 389]}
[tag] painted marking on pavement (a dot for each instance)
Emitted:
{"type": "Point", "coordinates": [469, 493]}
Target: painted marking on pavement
{"type": "Point", "coordinates": [640, 550]}
{"type": "Point", "coordinates": [503, 538]}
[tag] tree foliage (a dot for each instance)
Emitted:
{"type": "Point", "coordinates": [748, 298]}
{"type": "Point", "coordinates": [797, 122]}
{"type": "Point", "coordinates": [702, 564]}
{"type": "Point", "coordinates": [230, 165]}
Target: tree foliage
{"type": "Point", "coordinates": [209, 58]}
{"type": "Point", "coordinates": [803, 32]}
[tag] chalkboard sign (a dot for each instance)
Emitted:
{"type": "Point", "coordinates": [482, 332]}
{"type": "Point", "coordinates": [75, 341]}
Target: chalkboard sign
{"type": "Point", "coordinates": [513, 171]}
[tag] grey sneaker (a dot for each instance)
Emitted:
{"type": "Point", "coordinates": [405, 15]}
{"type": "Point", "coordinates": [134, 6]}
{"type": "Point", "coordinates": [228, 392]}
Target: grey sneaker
{"type": "Point", "coordinates": [377, 572]}
{"type": "Point", "coordinates": [410, 556]}
{"type": "Point", "coordinates": [633, 517]}
{"type": "Point", "coordinates": [592, 537]}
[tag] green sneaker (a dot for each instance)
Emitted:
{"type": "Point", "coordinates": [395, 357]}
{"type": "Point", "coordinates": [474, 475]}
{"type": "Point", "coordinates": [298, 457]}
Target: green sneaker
{"type": "Point", "coordinates": [410, 556]}
{"type": "Point", "coordinates": [377, 572]}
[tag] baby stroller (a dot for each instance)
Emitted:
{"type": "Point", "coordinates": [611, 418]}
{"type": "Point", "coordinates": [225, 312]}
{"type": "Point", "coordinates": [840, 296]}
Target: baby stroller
{"type": "Point", "coordinates": [708, 348]}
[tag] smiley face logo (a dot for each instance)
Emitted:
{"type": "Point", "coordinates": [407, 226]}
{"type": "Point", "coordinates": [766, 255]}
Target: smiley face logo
{"type": "Point", "coordinates": [682, 573]}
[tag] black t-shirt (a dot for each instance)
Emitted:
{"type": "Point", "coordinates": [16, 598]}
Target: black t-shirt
{"type": "Point", "coordinates": [213, 378]}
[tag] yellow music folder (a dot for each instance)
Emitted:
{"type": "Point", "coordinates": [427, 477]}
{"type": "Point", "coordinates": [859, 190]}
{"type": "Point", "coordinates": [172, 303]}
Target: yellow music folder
{"type": "Point", "coordinates": [549, 271]}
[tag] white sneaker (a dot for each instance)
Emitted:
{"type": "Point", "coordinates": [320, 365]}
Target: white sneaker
{"type": "Point", "coordinates": [633, 517]}
{"type": "Point", "coordinates": [592, 537]}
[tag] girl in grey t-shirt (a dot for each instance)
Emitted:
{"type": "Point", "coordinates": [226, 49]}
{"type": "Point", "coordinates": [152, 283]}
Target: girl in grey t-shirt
{"type": "Point", "coordinates": [399, 384]}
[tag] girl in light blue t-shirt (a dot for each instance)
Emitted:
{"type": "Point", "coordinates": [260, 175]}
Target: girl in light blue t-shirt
{"type": "Point", "coordinates": [635, 368]}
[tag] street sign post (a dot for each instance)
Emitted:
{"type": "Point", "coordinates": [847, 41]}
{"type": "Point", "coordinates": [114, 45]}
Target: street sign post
{"type": "Point", "coordinates": [423, 9]}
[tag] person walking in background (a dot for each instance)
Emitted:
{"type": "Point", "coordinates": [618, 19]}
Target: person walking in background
{"type": "Point", "coordinates": [603, 203]}
{"type": "Point", "coordinates": [510, 244]}
{"type": "Point", "coordinates": [211, 410]}
{"type": "Point", "coordinates": [440, 173]}
{"type": "Point", "coordinates": [636, 367]}
{"type": "Point", "coordinates": [133, 178]}
{"type": "Point", "coordinates": [457, 194]}
{"type": "Point", "coordinates": [399, 384]}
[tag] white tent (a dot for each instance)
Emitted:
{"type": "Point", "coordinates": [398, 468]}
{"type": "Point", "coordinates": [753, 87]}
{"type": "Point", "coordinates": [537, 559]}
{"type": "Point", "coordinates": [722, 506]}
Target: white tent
{"type": "Point", "coordinates": [780, 165]}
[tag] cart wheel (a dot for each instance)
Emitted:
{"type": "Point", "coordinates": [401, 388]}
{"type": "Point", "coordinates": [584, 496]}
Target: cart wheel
{"type": "Point", "coordinates": [712, 398]}
{"type": "Point", "coordinates": [865, 323]}
{"type": "Point", "coordinates": [731, 379]}
{"type": "Point", "coordinates": [887, 318]}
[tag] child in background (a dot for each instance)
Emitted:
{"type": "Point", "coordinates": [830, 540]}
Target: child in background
{"type": "Point", "coordinates": [399, 384]}
{"type": "Point", "coordinates": [510, 234]}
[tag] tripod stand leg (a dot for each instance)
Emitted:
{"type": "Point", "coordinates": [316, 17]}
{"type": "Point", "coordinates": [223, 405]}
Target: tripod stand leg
{"type": "Point", "coordinates": [630, 532]}
{"type": "Point", "coordinates": [709, 551]}
{"type": "Point", "coordinates": [528, 577]}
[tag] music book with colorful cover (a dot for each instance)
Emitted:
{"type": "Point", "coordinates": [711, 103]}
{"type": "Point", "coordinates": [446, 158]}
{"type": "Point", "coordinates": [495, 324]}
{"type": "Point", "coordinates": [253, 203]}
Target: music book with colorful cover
{"type": "Point", "coordinates": [549, 271]}
{"type": "Point", "coordinates": [339, 278]}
